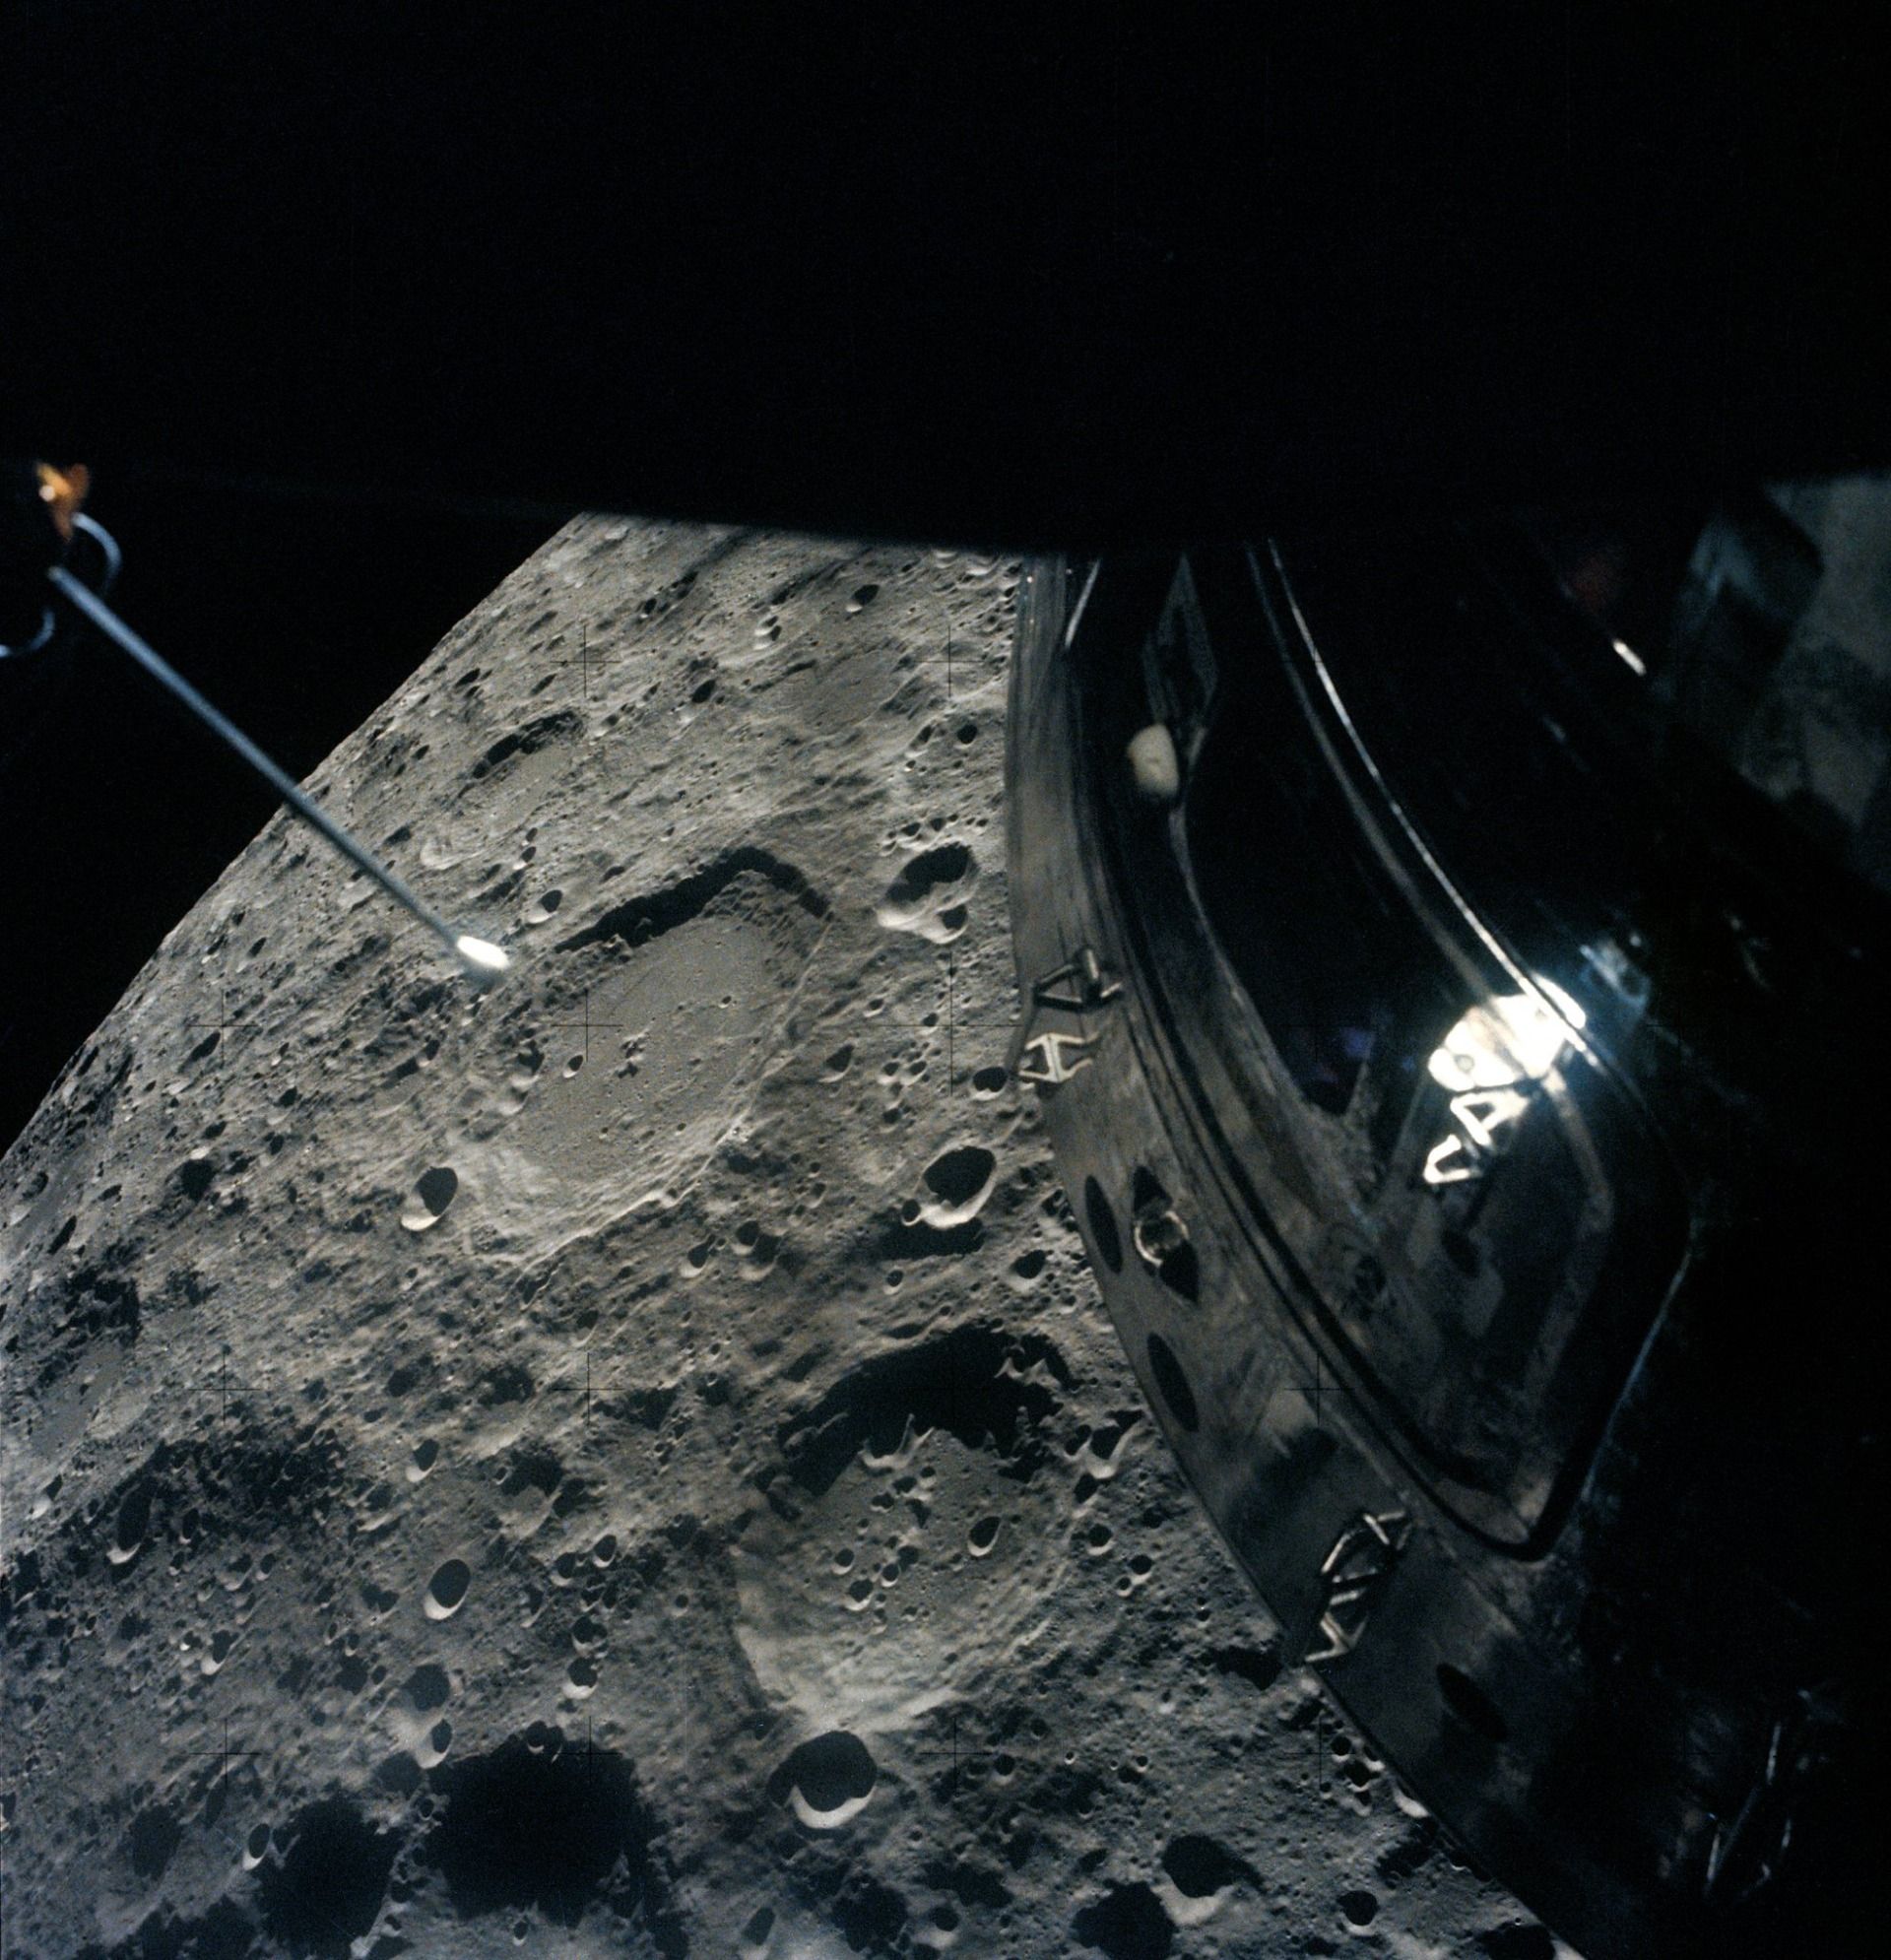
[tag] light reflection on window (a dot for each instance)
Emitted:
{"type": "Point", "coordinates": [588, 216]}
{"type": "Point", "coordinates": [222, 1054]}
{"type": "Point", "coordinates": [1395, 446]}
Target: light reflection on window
{"type": "Point", "coordinates": [1489, 1060]}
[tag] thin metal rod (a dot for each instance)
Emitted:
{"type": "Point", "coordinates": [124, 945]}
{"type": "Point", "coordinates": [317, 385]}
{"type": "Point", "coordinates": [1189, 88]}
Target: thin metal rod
{"type": "Point", "coordinates": [298, 800]}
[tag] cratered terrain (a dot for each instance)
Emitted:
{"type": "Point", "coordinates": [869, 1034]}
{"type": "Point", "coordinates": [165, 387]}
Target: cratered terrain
{"type": "Point", "coordinates": [631, 1460]}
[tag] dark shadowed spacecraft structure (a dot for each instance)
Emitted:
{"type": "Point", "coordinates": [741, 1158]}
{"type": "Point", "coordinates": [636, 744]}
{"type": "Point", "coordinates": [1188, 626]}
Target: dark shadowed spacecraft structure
{"type": "Point", "coordinates": [1446, 954]}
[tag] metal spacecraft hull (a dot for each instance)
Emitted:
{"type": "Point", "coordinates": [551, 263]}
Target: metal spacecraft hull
{"type": "Point", "coordinates": [1487, 1240]}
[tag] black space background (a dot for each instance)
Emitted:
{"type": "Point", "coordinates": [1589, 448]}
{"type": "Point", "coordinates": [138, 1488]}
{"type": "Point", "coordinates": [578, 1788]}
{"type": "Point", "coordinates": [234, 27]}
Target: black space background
{"type": "Point", "coordinates": [296, 615]}
{"type": "Point", "coordinates": [347, 306]}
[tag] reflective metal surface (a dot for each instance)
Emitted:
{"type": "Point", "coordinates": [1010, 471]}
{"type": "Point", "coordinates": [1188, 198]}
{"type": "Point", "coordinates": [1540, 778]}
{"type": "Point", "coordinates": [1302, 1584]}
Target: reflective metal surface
{"type": "Point", "coordinates": [1460, 1105]}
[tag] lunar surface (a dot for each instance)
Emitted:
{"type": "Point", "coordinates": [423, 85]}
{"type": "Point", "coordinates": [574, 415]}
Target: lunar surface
{"type": "Point", "coordinates": [630, 1459]}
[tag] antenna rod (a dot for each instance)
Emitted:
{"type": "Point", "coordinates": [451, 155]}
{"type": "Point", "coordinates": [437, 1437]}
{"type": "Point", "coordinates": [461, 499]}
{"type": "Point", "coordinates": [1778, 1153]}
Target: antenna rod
{"type": "Point", "coordinates": [481, 955]}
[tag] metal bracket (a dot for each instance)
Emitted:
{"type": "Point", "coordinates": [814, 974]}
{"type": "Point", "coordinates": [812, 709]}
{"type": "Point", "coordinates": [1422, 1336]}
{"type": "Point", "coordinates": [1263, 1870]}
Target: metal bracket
{"type": "Point", "coordinates": [1352, 1573]}
{"type": "Point", "coordinates": [1049, 1048]}
{"type": "Point", "coordinates": [1085, 973]}
{"type": "Point", "coordinates": [1077, 987]}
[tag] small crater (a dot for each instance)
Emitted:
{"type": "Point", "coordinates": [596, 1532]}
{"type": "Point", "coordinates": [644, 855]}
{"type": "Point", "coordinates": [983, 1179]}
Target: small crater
{"type": "Point", "coordinates": [426, 1202]}
{"type": "Point", "coordinates": [826, 1781]}
{"type": "Point", "coordinates": [398, 1775]}
{"type": "Point", "coordinates": [134, 1520]}
{"type": "Point", "coordinates": [508, 1382]}
{"type": "Point", "coordinates": [427, 1688]}
{"type": "Point", "coordinates": [155, 1834]}
{"type": "Point", "coordinates": [863, 597]}
{"type": "Point", "coordinates": [1259, 1667]}
{"type": "Point", "coordinates": [871, 1917]}
{"type": "Point", "coordinates": [446, 1589]}
{"type": "Point", "coordinates": [960, 1180]}
{"type": "Point", "coordinates": [1126, 1923]}
{"type": "Point", "coordinates": [1359, 1907]}
{"type": "Point", "coordinates": [927, 888]}
{"type": "Point", "coordinates": [1199, 1867]}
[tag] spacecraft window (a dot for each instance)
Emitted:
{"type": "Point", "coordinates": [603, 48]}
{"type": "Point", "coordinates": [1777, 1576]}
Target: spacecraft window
{"type": "Point", "coordinates": [1494, 1228]}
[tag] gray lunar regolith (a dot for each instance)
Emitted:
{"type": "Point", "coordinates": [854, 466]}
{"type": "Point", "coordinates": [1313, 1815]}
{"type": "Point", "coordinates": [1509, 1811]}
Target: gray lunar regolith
{"type": "Point", "coordinates": [632, 1461]}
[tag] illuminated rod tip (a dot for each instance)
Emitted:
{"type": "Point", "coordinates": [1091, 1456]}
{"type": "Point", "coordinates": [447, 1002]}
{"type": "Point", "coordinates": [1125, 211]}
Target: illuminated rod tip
{"type": "Point", "coordinates": [482, 954]}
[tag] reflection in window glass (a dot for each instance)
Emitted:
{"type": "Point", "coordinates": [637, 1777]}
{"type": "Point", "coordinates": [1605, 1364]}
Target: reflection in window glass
{"type": "Point", "coordinates": [1495, 1229]}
